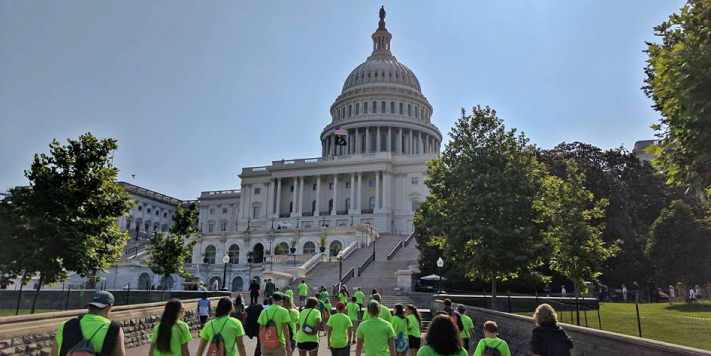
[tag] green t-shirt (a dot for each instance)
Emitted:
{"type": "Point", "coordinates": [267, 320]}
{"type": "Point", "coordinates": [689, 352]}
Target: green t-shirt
{"type": "Point", "coordinates": [343, 297]}
{"type": "Point", "coordinates": [179, 335]}
{"type": "Point", "coordinates": [303, 290]}
{"type": "Point", "coordinates": [399, 324]}
{"type": "Point", "coordinates": [468, 325]}
{"type": "Point", "coordinates": [339, 324]}
{"type": "Point", "coordinates": [328, 307]}
{"type": "Point", "coordinates": [352, 309]}
{"type": "Point", "coordinates": [384, 314]}
{"type": "Point", "coordinates": [429, 351]}
{"type": "Point", "coordinates": [294, 317]}
{"type": "Point", "coordinates": [231, 329]}
{"type": "Point", "coordinates": [279, 315]}
{"type": "Point", "coordinates": [414, 327]}
{"type": "Point", "coordinates": [290, 293]}
{"type": "Point", "coordinates": [376, 334]}
{"type": "Point", "coordinates": [324, 295]}
{"type": "Point", "coordinates": [359, 297]}
{"type": "Point", "coordinates": [496, 343]}
{"type": "Point", "coordinates": [89, 324]}
{"type": "Point", "coordinates": [307, 317]}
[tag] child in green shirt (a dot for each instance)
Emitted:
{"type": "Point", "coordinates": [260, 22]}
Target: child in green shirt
{"type": "Point", "coordinates": [492, 341]}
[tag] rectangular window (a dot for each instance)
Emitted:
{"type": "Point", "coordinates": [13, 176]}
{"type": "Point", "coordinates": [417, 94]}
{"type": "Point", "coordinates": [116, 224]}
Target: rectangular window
{"type": "Point", "coordinates": [140, 208]}
{"type": "Point", "coordinates": [415, 180]}
{"type": "Point", "coordinates": [348, 185]}
{"type": "Point", "coordinates": [307, 224]}
{"type": "Point", "coordinates": [165, 214]}
{"type": "Point", "coordinates": [255, 212]}
{"type": "Point", "coordinates": [315, 187]}
{"type": "Point", "coordinates": [212, 211]}
{"type": "Point", "coordinates": [145, 227]}
{"type": "Point", "coordinates": [330, 186]}
{"type": "Point", "coordinates": [223, 226]}
{"type": "Point", "coordinates": [372, 183]}
{"type": "Point", "coordinates": [291, 188]}
{"type": "Point", "coordinates": [211, 227]}
{"type": "Point", "coordinates": [414, 204]}
{"type": "Point", "coordinates": [128, 224]}
{"type": "Point", "coordinates": [257, 191]}
{"type": "Point", "coordinates": [157, 212]}
{"type": "Point", "coordinates": [148, 210]}
{"type": "Point", "coordinates": [224, 210]}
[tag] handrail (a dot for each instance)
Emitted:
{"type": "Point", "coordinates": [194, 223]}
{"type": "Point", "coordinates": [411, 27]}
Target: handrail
{"type": "Point", "coordinates": [349, 249]}
{"type": "Point", "coordinates": [350, 274]}
{"type": "Point", "coordinates": [395, 250]}
{"type": "Point", "coordinates": [365, 264]}
{"type": "Point", "coordinates": [409, 238]}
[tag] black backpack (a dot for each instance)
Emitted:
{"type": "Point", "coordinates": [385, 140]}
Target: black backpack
{"type": "Point", "coordinates": [457, 319]}
{"type": "Point", "coordinates": [72, 336]}
{"type": "Point", "coordinates": [491, 351]}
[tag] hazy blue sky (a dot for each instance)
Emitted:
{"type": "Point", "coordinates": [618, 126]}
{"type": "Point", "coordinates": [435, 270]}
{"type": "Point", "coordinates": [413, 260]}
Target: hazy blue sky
{"type": "Point", "coordinates": [196, 90]}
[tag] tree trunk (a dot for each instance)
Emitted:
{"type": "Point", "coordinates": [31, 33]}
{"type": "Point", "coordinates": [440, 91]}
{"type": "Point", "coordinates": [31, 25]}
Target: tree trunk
{"type": "Point", "coordinates": [577, 308]}
{"type": "Point", "coordinates": [37, 292]}
{"type": "Point", "coordinates": [493, 292]}
{"type": "Point", "coordinates": [19, 296]}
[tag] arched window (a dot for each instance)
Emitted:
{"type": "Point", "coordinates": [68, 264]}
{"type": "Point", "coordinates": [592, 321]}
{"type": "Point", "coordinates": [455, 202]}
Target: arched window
{"type": "Point", "coordinates": [409, 110]}
{"type": "Point", "coordinates": [417, 112]}
{"type": "Point", "coordinates": [350, 110]}
{"type": "Point", "coordinates": [371, 203]}
{"type": "Point", "coordinates": [348, 203]}
{"type": "Point", "coordinates": [422, 113]}
{"type": "Point", "coordinates": [313, 206]}
{"type": "Point", "coordinates": [330, 204]}
{"type": "Point", "coordinates": [281, 249]}
{"type": "Point", "coordinates": [357, 109]}
{"type": "Point", "coordinates": [309, 248]}
{"type": "Point", "coordinates": [392, 107]}
{"type": "Point", "coordinates": [400, 108]}
{"type": "Point", "coordinates": [291, 207]}
{"type": "Point", "coordinates": [336, 247]}
{"type": "Point", "coordinates": [210, 253]}
{"type": "Point", "coordinates": [233, 252]}
{"type": "Point", "coordinates": [382, 107]}
{"type": "Point", "coordinates": [375, 107]}
{"type": "Point", "coordinates": [365, 107]}
{"type": "Point", "coordinates": [343, 114]}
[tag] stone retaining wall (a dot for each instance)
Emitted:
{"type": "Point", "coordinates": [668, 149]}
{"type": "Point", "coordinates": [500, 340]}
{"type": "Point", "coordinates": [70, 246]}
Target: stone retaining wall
{"type": "Point", "coordinates": [516, 330]}
{"type": "Point", "coordinates": [33, 334]}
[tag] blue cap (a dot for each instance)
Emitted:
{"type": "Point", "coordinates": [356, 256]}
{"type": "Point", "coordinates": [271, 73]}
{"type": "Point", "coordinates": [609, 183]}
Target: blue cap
{"type": "Point", "coordinates": [102, 299]}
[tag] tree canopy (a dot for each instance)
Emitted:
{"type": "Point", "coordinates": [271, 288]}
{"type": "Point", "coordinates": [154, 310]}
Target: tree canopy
{"type": "Point", "coordinates": [168, 252]}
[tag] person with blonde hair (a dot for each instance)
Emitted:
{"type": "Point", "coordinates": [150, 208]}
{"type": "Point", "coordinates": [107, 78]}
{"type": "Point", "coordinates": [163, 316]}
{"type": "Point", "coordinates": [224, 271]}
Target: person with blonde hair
{"type": "Point", "coordinates": [294, 315]}
{"type": "Point", "coordinates": [549, 339]}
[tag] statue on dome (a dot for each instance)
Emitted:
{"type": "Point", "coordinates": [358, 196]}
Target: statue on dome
{"type": "Point", "coordinates": [381, 24]}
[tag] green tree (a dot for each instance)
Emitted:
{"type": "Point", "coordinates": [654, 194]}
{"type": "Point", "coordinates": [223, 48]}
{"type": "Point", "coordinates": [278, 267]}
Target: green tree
{"type": "Point", "coordinates": [481, 209]}
{"type": "Point", "coordinates": [679, 82]}
{"type": "Point", "coordinates": [68, 213]}
{"type": "Point", "coordinates": [570, 213]}
{"type": "Point", "coordinates": [679, 246]}
{"type": "Point", "coordinates": [168, 252]}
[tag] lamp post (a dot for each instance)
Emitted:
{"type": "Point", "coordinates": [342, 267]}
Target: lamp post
{"type": "Point", "coordinates": [225, 261]}
{"type": "Point", "coordinates": [272, 223]}
{"type": "Point", "coordinates": [440, 264]}
{"type": "Point", "coordinates": [297, 223]}
{"type": "Point", "coordinates": [340, 266]}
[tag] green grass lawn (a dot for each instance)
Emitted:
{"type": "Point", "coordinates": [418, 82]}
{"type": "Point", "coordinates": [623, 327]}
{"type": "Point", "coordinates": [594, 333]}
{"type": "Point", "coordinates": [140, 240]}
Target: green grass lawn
{"type": "Point", "coordinates": [682, 324]}
{"type": "Point", "coordinates": [8, 312]}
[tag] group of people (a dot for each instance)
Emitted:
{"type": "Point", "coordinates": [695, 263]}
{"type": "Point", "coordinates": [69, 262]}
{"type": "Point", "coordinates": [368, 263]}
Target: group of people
{"type": "Point", "coordinates": [281, 328]}
{"type": "Point", "coordinates": [677, 293]}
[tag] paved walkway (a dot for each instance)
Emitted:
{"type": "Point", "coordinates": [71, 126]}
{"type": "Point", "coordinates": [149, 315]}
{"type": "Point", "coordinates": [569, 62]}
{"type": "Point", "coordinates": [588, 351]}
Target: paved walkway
{"type": "Point", "coordinates": [249, 344]}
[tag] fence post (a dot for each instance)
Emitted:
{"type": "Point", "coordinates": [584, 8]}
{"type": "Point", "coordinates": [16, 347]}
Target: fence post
{"type": "Point", "coordinates": [66, 303]}
{"type": "Point", "coordinates": [585, 312]}
{"type": "Point", "coordinates": [19, 297]}
{"type": "Point", "coordinates": [599, 322]}
{"type": "Point", "coordinates": [128, 292]}
{"type": "Point", "coordinates": [636, 306]}
{"type": "Point", "coordinates": [508, 292]}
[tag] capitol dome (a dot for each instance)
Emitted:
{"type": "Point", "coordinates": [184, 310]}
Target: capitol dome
{"type": "Point", "coordinates": [380, 104]}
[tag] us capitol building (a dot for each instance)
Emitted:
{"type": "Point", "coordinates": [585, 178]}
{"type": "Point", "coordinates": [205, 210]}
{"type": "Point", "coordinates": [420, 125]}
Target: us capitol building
{"type": "Point", "coordinates": [286, 213]}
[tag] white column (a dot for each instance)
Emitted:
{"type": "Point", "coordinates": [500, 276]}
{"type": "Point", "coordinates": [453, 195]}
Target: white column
{"type": "Point", "coordinates": [360, 192]}
{"type": "Point", "coordinates": [270, 200]}
{"type": "Point", "coordinates": [412, 140]}
{"type": "Point", "coordinates": [357, 141]}
{"type": "Point", "coordinates": [335, 194]}
{"type": "Point", "coordinates": [293, 197]}
{"type": "Point", "coordinates": [318, 196]}
{"type": "Point", "coordinates": [386, 191]}
{"type": "Point", "coordinates": [301, 196]}
{"type": "Point", "coordinates": [377, 143]}
{"type": "Point", "coordinates": [390, 141]}
{"type": "Point", "coordinates": [331, 150]}
{"type": "Point", "coordinates": [353, 188]}
{"type": "Point", "coordinates": [377, 191]}
{"type": "Point", "coordinates": [278, 199]}
{"type": "Point", "coordinates": [367, 140]}
{"type": "Point", "coordinates": [398, 146]}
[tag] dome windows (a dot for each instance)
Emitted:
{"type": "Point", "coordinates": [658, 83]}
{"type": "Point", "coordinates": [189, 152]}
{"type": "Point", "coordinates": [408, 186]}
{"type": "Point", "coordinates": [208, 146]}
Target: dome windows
{"type": "Point", "coordinates": [350, 110]}
{"type": "Point", "coordinates": [365, 106]}
{"type": "Point", "coordinates": [409, 110]}
{"type": "Point", "coordinates": [357, 109]}
{"type": "Point", "coordinates": [401, 109]}
{"type": "Point", "coordinates": [382, 107]}
{"type": "Point", "coordinates": [417, 115]}
{"type": "Point", "coordinates": [392, 107]}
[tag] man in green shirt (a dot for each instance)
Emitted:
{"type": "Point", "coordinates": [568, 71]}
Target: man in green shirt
{"type": "Point", "coordinates": [377, 334]}
{"type": "Point", "coordinates": [106, 336]}
{"type": "Point", "coordinates": [324, 293]}
{"type": "Point", "coordinates": [289, 292]}
{"type": "Point", "coordinates": [384, 311]}
{"type": "Point", "coordinates": [339, 329]}
{"type": "Point", "coordinates": [359, 297]}
{"type": "Point", "coordinates": [281, 317]}
{"type": "Point", "coordinates": [303, 292]}
{"type": "Point", "coordinates": [353, 311]}
{"type": "Point", "coordinates": [468, 331]}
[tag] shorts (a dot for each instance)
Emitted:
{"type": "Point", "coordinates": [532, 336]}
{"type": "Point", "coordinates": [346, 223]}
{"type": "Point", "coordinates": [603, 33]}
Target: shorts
{"type": "Point", "coordinates": [343, 351]}
{"type": "Point", "coordinates": [308, 346]}
{"type": "Point", "coordinates": [413, 342]}
{"type": "Point", "coordinates": [203, 319]}
{"type": "Point", "coordinates": [279, 351]}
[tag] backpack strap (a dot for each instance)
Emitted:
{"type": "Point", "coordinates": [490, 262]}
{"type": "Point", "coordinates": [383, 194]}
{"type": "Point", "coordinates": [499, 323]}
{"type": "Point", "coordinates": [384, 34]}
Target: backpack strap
{"type": "Point", "coordinates": [71, 335]}
{"type": "Point", "coordinates": [111, 338]}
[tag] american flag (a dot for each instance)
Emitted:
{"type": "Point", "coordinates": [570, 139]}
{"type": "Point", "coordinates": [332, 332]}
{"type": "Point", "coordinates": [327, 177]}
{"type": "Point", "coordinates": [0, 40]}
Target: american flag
{"type": "Point", "coordinates": [339, 131]}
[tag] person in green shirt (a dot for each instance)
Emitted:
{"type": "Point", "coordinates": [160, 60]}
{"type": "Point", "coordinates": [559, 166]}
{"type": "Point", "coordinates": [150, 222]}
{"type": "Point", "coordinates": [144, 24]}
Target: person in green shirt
{"type": "Point", "coordinates": [171, 336]}
{"type": "Point", "coordinates": [339, 328]}
{"type": "Point", "coordinates": [230, 328]}
{"type": "Point", "coordinates": [376, 334]}
{"type": "Point", "coordinates": [96, 322]}
{"type": "Point", "coordinates": [359, 297]}
{"type": "Point", "coordinates": [281, 317]}
{"type": "Point", "coordinates": [353, 310]}
{"type": "Point", "coordinates": [289, 292]}
{"type": "Point", "coordinates": [324, 293]}
{"type": "Point", "coordinates": [468, 332]}
{"type": "Point", "coordinates": [303, 292]}
{"type": "Point", "coordinates": [343, 295]}
{"type": "Point", "coordinates": [294, 314]}
{"type": "Point", "coordinates": [401, 325]}
{"type": "Point", "coordinates": [442, 338]}
{"type": "Point", "coordinates": [413, 329]}
{"type": "Point", "coordinates": [491, 340]}
{"type": "Point", "coordinates": [308, 326]}
{"type": "Point", "coordinates": [384, 311]}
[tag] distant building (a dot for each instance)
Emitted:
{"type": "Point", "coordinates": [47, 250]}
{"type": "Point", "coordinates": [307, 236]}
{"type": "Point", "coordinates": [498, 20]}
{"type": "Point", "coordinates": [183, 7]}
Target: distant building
{"type": "Point", "coordinates": [151, 213]}
{"type": "Point", "coordinates": [640, 147]}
